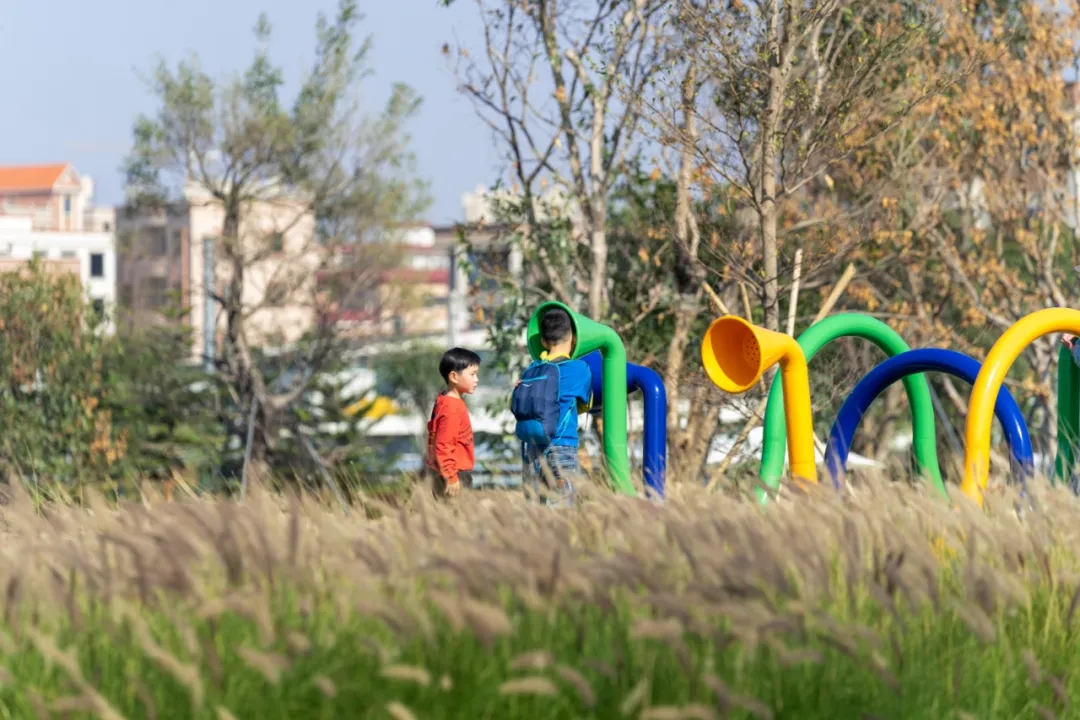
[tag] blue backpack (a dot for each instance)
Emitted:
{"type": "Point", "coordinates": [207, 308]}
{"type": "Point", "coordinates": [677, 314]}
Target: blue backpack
{"type": "Point", "coordinates": [535, 404]}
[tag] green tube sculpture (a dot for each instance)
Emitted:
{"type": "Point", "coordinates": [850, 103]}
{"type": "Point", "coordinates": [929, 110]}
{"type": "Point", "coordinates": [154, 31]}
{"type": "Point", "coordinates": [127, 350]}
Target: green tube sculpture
{"type": "Point", "coordinates": [817, 336]}
{"type": "Point", "coordinates": [1068, 421]}
{"type": "Point", "coordinates": [591, 336]}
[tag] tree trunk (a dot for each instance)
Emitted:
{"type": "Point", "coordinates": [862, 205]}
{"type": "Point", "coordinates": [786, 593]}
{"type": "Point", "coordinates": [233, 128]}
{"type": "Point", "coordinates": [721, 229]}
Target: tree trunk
{"type": "Point", "coordinates": [247, 378]}
{"type": "Point", "coordinates": [883, 442]}
{"type": "Point", "coordinates": [768, 211]}
{"type": "Point", "coordinates": [690, 447]}
{"type": "Point", "coordinates": [688, 276]}
{"type": "Point", "coordinates": [685, 312]}
{"type": "Point", "coordinates": [698, 451]}
{"type": "Point", "coordinates": [766, 195]}
{"type": "Point", "coordinates": [598, 279]}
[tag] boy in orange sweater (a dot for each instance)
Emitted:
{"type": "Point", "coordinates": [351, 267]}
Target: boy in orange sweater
{"type": "Point", "coordinates": [450, 454]}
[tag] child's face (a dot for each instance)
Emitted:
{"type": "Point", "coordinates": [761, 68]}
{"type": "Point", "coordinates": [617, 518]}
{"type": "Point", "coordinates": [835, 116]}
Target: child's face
{"type": "Point", "coordinates": [465, 382]}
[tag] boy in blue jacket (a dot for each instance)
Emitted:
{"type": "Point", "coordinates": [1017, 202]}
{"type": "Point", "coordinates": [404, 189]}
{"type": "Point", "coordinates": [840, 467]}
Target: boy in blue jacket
{"type": "Point", "coordinates": [553, 460]}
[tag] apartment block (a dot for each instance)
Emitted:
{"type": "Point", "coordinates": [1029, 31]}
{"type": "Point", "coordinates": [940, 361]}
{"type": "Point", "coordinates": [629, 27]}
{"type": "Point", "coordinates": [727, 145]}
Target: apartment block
{"type": "Point", "coordinates": [169, 258]}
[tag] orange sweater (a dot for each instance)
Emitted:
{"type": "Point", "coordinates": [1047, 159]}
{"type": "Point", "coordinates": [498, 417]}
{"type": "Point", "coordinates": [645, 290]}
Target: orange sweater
{"type": "Point", "coordinates": [450, 438]}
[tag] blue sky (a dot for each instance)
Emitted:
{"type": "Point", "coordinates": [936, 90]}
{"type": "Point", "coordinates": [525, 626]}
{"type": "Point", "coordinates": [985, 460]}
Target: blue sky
{"type": "Point", "coordinates": [72, 89]}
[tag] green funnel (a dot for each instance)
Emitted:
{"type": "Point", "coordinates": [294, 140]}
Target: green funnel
{"type": "Point", "coordinates": [591, 335]}
{"type": "Point", "coordinates": [816, 337]}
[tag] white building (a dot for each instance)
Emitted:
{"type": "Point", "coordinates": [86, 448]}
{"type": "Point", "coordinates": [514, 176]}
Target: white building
{"type": "Point", "coordinates": [91, 254]}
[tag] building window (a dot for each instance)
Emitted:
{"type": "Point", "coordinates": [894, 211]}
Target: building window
{"type": "Point", "coordinates": [106, 226]}
{"type": "Point", "coordinates": [97, 265]}
{"type": "Point", "coordinates": [40, 254]}
{"type": "Point", "coordinates": [159, 244]}
{"type": "Point", "coordinates": [67, 254]}
{"type": "Point", "coordinates": [99, 308]}
{"type": "Point", "coordinates": [277, 242]}
{"type": "Point", "coordinates": [67, 204]}
{"type": "Point", "coordinates": [157, 292]}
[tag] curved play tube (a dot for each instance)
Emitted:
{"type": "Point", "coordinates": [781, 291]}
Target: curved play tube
{"type": "Point", "coordinates": [591, 336]}
{"type": "Point", "coordinates": [816, 337]}
{"type": "Point", "coordinates": [992, 375]}
{"type": "Point", "coordinates": [654, 435]}
{"type": "Point", "coordinates": [735, 354]}
{"type": "Point", "coordinates": [1068, 420]}
{"type": "Point", "coordinates": [904, 365]}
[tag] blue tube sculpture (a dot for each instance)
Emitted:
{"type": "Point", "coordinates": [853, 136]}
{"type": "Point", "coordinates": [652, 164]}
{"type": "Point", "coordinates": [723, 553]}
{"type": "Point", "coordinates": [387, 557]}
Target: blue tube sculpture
{"type": "Point", "coordinates": [654, 442]}
{"type": "Point", "coordinates": [911, 362]}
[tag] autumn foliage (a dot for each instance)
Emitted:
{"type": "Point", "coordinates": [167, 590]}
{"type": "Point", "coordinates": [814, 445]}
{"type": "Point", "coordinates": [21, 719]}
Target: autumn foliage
{"type": "Point", "coordinates": [53, 380]}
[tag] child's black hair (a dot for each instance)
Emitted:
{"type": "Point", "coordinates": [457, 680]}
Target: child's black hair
{"type": "Point", "coordinates": [457, 360]}
{"type": "Point", "coordinates": [556, 326]}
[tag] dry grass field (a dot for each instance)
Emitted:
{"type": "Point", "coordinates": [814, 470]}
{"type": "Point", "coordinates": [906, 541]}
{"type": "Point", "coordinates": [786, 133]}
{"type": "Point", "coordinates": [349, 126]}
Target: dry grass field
{"type": "Point", "coordinates": [882, 603]}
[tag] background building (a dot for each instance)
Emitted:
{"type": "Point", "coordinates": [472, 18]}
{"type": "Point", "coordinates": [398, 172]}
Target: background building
{"type": "Point", "coordinates": [91, 255]}
{"type": "Point", "coordinates": [168, 258]}
{"type": "Point", "coordinates": [54, 197]}
{"type": "Point", "coordinates": [410, 296]}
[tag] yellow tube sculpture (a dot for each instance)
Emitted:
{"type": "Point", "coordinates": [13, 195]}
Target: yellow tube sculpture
{"type": "Point", "coordinates": [988, 383]}
{"type": "Point", "coordinates": [736, 354]}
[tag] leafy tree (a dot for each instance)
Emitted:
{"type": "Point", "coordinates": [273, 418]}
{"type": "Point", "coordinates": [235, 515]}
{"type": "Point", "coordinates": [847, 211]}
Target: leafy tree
{"type": "Point", "coordinates": [300, 188]}
{"type": "Point", "coordinates": [981, 230]}
{"type": "Point", "coordinates": [558, 82]}
{"type": "Point", "coordinates": [169, 407]}
{"type": "Point", "coordinates": [785, 92]}
{"type": "Point", "coordinates": [54, 394]}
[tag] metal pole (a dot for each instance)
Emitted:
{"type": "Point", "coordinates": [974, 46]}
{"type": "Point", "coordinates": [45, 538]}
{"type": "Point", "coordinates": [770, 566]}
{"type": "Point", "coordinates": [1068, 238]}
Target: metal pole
{"type": "Point", "coordinates": [451, 330]}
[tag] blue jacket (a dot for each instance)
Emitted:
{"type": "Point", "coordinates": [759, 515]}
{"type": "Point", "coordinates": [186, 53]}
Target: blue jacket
{"type": "Point", "coordinates": [575, 394]}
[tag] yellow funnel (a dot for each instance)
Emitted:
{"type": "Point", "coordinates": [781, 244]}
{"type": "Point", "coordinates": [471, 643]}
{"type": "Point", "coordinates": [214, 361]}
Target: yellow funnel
{"type": "Point", "coordinates": [736, 354]}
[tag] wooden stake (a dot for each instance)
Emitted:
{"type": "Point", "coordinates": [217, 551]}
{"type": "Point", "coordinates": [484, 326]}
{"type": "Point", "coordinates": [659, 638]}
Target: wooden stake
{"type": "Point", "coordinates": [746, 303]}
{"type": "Point", "coordinates": [837, 291]}
{"type": "Point", "coordinates": [793, 305]}
{"type": "Point", "coordinates": [715, 299]}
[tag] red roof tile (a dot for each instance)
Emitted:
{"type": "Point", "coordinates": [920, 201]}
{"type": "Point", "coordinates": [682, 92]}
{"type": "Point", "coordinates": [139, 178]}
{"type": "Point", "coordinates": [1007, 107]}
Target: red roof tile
{"type": "Point", "coordinates": [30, 177]}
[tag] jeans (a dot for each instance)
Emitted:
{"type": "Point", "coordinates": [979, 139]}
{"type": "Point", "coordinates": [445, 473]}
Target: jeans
{"type": "Point", "coordinates": [550, 469]}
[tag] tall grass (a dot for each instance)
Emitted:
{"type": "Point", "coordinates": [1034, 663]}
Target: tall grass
{"type": "Point", "coordinates": [879, 603]}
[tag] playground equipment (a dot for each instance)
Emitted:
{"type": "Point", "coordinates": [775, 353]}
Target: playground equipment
{"type": "Point", "coordinates": [654, 436]}
{"type": "Point", "coordinates": [816, 337]}
{"type": "Point", "coordinates": [592, 336]}
{"type": "Point", "coordinates": [376, 409]}
{"type": "Point", "coordinates": [904, 366]}
{"type": "Point", "coordinates": [1068, 423]}
{"type": "Point", "coordinates": [736, 354]}
{"type": "Point", "coordinates": [998, 361]}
